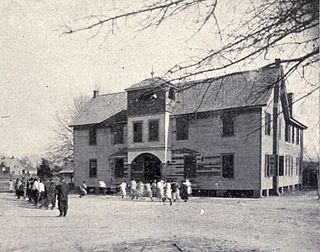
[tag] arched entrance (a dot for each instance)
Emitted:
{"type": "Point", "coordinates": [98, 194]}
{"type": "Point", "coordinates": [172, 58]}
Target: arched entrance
{"type": "Point", "coordinates": [146, 167]}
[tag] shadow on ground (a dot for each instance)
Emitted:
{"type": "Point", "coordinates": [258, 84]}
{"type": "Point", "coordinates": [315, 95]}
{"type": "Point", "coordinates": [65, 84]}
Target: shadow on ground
{"type": "Point", "coordinates": [182, 244]}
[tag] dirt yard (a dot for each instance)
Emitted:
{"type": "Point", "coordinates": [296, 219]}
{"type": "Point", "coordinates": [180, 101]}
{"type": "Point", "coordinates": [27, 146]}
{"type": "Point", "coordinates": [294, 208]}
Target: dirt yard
{"type": "Point", "coordinates": [108, 223]}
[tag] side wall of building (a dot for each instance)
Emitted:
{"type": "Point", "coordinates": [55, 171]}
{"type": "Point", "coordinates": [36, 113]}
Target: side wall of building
{"type": "Point", "coordinates": [102, 152]}
{"type": "Point", "coordinates": [205, 138]}
{"type": "Point", "coordinates": [290, 151]}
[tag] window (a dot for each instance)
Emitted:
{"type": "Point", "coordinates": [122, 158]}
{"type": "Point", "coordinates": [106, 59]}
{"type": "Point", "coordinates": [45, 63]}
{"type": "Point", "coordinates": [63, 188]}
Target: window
{"type": "Point", "coordinates": [289, 165]}
{"type": "Point", "coordinates": [190, 166]}
{"type": "Point", "coordinates": [266, 166]}
{"type": "Point", "coordinates": [294, 166]}
{"type": "Point", "coordinates": [298, 166]}
{"type": "Point", "coordinates": [118, 131]}
{"type": "Point", "coordinates": [93, 136]}
{"type": "Point", "coordinates": [227, 124]}
{"type": "Point", "coordinates": [227, 166]}
{"type": "Point", "coordinates": [137, 132]}
{"type": "Point", "coordinates": [287, 133]}
{"type": "Point", "coordinates": [267, 123]}
{"type": "Point", "coordinates": [292, 134]}
{"type": "Point", "coordinates": [119, 168]}
{"type": "Point", "coordinates": [182, 126]}
{"type": "Point", "coordinates": [298, 137]}
{"type": "Point", "coordinates": [281, 165]}
{"type": "Point", "coordinates": [280, 128]}
{"type": "Point", "coordinates": [92, 168]}
{"type": "Point", "coordinates": [154, 130]}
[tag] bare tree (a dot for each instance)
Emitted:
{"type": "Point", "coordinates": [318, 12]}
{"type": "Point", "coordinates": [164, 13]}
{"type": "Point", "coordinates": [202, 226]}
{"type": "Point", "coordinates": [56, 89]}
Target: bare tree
{"type": "Point", "coordinates": [286, 26]}
{"type": "Point", "coordinates": [62, 148]}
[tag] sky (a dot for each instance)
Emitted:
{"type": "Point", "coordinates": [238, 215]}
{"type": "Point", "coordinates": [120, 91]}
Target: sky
{"type": "Point", "coordinates": [42, 70]}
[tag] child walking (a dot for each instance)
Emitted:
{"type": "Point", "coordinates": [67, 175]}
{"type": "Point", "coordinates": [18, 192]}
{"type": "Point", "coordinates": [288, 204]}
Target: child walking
{"type": "Point", "coordinates": [123, 188]}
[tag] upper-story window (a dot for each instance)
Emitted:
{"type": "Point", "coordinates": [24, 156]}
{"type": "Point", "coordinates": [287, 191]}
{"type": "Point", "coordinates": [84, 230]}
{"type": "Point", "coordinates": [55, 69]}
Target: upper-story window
{"type": "Point", "coordinates": [227, 124]}
{"type": "Point", "coordinates": [280, 128]}
{"type": "Point", "coordinates": [267, 123]}
{"type": "Point", "coordinates": [92, 135]}
{"type": "Point", "coordinates": [118, 132]}
{"type": "Point", "coordinates": [287, 133]}
{"type": "Point", "coordinates": [137, 132]}
{"type": "Point", "coordinates": [182, 126]}
{"type": "Point", "coordinates": [154, 130]}
{"type": "Point", "coordinates": [293, 134]}
{"type": "Point", "coordinates": [298, 136]}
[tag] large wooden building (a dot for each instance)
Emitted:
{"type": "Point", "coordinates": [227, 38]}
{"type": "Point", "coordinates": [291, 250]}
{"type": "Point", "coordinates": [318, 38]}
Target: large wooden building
{"type": "Point", "coordinates": [232, 134]}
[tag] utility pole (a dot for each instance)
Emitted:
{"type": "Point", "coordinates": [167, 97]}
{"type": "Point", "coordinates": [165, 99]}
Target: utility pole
{"type": "Point", "coordinates": [275, 135]}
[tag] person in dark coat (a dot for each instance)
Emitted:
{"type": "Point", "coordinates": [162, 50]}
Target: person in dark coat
{"type": "Point", "coordinates": [184, 192]}
{"type": "Point", "coordinates": [62, 191]}
{"type": "Point", "coordinates": [51, 194]}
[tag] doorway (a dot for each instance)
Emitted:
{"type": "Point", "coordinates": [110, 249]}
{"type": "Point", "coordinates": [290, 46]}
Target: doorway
{"type": "Point", "coordinates": [146, 167]}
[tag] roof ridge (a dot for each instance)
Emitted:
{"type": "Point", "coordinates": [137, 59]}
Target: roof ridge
{"type": "Point", "coordinates": [226, 75]}
{"type": "Point", "coordinates": [111, 93]}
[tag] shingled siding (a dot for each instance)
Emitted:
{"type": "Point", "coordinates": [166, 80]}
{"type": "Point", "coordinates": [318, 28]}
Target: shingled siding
{"type": "Point", "coordinates": [205, 138]}
{"type": "Point", "coordinates": [101, 152]}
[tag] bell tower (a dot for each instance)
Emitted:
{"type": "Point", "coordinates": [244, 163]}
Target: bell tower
{"type": "Point", "coordinates": [149, 121]}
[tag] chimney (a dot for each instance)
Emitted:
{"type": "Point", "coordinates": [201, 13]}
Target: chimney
{"type": "Point", "coordinates": [95, 93]}
{"type": "Point", "coordinates": [277, 61]}
{"type": "Point", "coordinates": [290, 100]}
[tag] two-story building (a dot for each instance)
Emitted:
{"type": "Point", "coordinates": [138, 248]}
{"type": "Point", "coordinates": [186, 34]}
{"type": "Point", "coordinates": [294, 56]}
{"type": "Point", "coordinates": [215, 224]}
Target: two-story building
{"type": "Point", "coordinates": [234, 134]}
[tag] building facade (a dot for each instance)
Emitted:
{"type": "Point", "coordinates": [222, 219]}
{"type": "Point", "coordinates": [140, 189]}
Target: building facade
{"type": "Point", "coordinates": [233, 134]}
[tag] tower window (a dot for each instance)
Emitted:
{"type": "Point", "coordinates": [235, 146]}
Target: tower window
{"type": "Point", "coordinates": [154, 130]}
{"type": "Point", "coordinates": [137, 132]}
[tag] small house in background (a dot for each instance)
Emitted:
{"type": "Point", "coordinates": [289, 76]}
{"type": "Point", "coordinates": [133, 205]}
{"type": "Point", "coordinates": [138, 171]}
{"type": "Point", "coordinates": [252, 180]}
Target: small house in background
{"type": "Point", "coordinates": [30, 170]}
{"type": "Point", "coordinates": [234, 135]}
{"type": "Point", "coordinates": [67, 171]}
{"type": "Point", "coordinates": [11, 166]}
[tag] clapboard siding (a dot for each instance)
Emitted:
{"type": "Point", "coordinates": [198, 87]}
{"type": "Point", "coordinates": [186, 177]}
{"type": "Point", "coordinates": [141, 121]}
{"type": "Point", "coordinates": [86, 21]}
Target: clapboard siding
{"type": "Point", "coordinates": [208, 145]}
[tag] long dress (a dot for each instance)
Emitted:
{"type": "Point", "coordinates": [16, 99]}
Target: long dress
{"type": "Point", "coordinates": [160, 186]}
{"type": "Point", "coordinates": [148, 190]}
{"type": "Point", "coordinates": [11, 187]}
{"type": "Point", "coordinates": [133, 188]}
{"type": "Point", "coordinates": [123, 187]}
{"type": "Point", "coordinates": [168, 191]}
{"type": "Point", "coordinates": [140, 189]}
{"type": "Point", "coordinates": [184, 192]}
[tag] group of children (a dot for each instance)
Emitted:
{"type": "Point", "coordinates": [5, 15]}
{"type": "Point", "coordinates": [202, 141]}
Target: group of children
{"type": "Point", "coordinates": [37, 191]}
{"type": "Point", "coordinates": [164, 190]}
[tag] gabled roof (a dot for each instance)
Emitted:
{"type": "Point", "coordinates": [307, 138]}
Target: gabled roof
{"type": "Point", "coordinates": [250, 88]}
{"type": "Point", "coordinates": [147, 83]}
{"type": "Point", "coordinates": [237, 90]}
{"type": "Point", "coordinates": [101, 108]}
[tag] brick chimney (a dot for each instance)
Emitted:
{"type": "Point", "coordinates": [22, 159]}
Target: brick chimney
{"type": "Point", "coordinates": [95, 93]}
{"type": "Point", "coordinates": [290, 100]}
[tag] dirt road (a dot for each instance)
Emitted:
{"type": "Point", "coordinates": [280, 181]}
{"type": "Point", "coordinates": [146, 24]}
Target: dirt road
{"type": "Point", "coordinates": [108, 223]}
